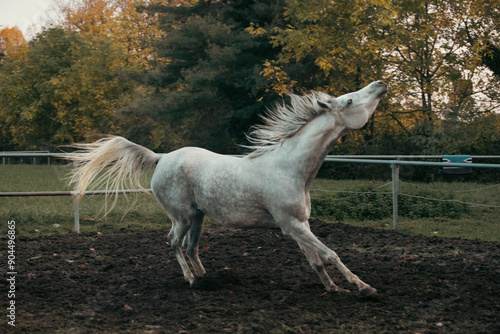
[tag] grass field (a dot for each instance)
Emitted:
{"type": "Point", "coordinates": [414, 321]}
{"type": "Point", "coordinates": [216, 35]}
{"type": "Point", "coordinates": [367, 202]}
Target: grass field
{"type": "Point", "coordinates": [425, 208]}
{"type": "Point", "coordinates": [429, 209]}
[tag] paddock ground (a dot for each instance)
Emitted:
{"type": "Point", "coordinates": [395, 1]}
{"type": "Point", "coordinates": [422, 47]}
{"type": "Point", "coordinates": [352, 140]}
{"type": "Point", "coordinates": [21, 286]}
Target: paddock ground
{"type": "Point", "coordinates": [257, 282]}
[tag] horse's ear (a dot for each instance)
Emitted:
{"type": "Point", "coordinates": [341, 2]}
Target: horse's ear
{"type": "Point", "coordinates": [323, 105]}
{"type": "Point", "coordinates": [325, 101]}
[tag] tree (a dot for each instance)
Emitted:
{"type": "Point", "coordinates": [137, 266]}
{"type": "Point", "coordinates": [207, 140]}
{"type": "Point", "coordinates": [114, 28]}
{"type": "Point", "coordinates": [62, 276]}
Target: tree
{"type": "Point", "coordinates": [12, 43]}
{"type": "Point", "coordinates": [124, 21]}
{"type": "Point", "coordinates": [209, 86]}
{"type": "Point", "coordinates": [479, 26]}
{"type": "Point", "coordinates": [332, 46]}
{"type": "Point", "coordinates": [12, 47]}
{"type": "Point", "coordinates": [66, 89]}
{"type": "Point", "coordinates": [418, 46]}
{"type": "Point", "coordinates": [480, 23]}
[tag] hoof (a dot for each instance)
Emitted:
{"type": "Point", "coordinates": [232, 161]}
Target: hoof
{"type": "Point", "coordinates": [368, 292]}
{"type": "Point", "coordinates": [190, 280]}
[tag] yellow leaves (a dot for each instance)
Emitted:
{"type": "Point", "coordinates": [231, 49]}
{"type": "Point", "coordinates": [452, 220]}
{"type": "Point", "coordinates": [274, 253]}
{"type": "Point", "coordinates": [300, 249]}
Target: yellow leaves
{"type": "Point", "coordinates": [118, 19]}
{"type": "Point", "coordinates": [255, 30]}
{"type": "Point", "coordinates": [280, 81]}
{"type": "Point", "coordinates": [324, 63]}
{"type": "Point", "coordinates": [383, 3]}
{"type": "Point", "coordinates": [12, 43]}
{"type": "Point", "coordinates": [182, 86]}
{"type": "Point", "coordinates": [60, 94]}
{"type": "Point", "coordinates": [11, 37]}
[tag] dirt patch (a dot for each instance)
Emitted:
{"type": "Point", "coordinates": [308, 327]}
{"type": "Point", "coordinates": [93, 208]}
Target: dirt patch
{"type": "Point", "coordinates": [257, 281]}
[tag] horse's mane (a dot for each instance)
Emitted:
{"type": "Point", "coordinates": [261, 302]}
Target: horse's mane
{"type": "Point", "coordinates": [284, 121]}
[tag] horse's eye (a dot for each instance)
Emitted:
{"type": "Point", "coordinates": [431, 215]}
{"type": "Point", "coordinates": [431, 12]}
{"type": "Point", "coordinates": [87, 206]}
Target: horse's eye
{"type": "Point", "coordinates": [349, 102]}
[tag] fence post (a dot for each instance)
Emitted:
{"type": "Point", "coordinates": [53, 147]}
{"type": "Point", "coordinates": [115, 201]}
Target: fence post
{"type": "Point", "coordinates": [395, 189]}
{"type": "Point", "coordinates": [77, 215]}
{"type": "Point", "coordinates": [75, 204]}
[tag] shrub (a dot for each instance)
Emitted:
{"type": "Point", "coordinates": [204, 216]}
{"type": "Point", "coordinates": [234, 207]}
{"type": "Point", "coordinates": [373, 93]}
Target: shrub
{"type": "Point", "coordinates": [365, 205]}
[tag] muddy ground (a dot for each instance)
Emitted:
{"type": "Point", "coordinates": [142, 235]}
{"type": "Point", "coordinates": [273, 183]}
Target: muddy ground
{"type": "Point", "coordinates": [258, 281]}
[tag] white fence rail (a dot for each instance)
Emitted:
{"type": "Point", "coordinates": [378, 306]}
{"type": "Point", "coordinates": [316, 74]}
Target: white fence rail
{"type": "Point", "coordinates": [33, 154]}
{"type": "Point", "coordinates": [393, 160]}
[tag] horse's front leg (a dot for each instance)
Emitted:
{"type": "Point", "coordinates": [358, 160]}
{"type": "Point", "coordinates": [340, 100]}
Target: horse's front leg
{"type": "Point", "coordinates": [300, 232]}
{"type": "Point", "coordinates": [315, 262]}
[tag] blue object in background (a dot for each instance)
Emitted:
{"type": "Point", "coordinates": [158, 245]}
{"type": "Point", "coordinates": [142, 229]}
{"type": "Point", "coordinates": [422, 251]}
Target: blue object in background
{"type": "Point", "coordinates": [456, 159]}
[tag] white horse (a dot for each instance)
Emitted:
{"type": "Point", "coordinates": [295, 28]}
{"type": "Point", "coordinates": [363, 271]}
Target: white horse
{"type": "Point", "coordinates": [267, 188]}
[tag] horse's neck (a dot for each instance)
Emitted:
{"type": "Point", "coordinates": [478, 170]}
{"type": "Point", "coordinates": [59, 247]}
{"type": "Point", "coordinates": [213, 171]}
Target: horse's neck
{"type": "Point", "coordinates": [303, 154]}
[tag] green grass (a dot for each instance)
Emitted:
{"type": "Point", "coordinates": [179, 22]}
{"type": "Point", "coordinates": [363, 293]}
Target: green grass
{"type": "Point", "coordinates": [362, 203]}
{"type": "Point", "coordinates": [55, 215]}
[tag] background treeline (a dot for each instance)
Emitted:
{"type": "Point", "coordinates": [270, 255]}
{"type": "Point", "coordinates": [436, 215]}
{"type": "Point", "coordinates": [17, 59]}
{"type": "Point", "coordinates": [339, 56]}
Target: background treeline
{"type": "Point", "coordinates": [168, 74]}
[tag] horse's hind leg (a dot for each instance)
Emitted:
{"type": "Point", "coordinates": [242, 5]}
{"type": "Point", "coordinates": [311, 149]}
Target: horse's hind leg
{"type": "Point", "coordinates": [191, 242]}
{"type": "Point", "coordinates": [175, 237]}
{"type": "Point", "coordinates": [316, 263]}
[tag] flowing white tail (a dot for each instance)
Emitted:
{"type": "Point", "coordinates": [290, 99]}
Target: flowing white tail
{"type": "Point", "coordinates": [127, 163]}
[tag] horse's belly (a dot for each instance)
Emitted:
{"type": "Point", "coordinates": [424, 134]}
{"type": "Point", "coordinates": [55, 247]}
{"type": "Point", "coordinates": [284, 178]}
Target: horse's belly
{"type": "Point", "coordinates": [241, 216]}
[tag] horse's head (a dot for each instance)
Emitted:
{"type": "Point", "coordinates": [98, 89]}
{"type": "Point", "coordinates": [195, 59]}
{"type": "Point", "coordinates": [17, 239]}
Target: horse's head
{"type": "Point", "coordinates": [355, 108]}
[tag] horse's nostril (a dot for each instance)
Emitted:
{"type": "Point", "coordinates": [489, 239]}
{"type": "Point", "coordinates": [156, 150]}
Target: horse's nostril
{"type": "Point", "coordinates": [381, 82]}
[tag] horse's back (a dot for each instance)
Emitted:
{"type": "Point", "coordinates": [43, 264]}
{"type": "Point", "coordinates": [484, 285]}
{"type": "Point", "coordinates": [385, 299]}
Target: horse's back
{"type": "Point", "coordinates": [180, 169]}
{"type": "Point", "coordinates": [188, 163]}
